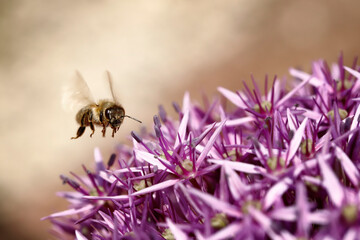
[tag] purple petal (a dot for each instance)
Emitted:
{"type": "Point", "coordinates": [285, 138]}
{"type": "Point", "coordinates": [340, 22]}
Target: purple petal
{"type": "Point", "coordinates": [117, 197]}
{"type": "Point", "coordinates": [222, 113]}
{"type": "Point", "coordinates": [239, 166]}
{"type": "Point", "coordinates": [295, 141]}
{"type": "Point", "coordinates": [70, 211]}
{"type": "Point", "coordinates": [310, 114]}
{"type": "Point", "coordinates": [321, 217]}
{"type": "Point", "coordinates": [182, 128]}
{"type": "Point", "coordinates": [296, 160]}
{"type": "Point", "coordinates": [350, 169]}
{"type": "Point", "coordinates": [284, 214]}
{"type": "Point", "coordinates": [108, 221]}
{"type": "Point", "coordinates": [331, 183]}
{"type": "Point", "coordinates": [72, 197]}
{"type": "Point", "coordinates": [323, 142]}
{"type": "Point", "coordinates": [264, 222]}
{"type": "Point", "coordinates": [316, 82]}
{"type": "Point", "coordinates": [309, 164]}
{"type": "Point", "coordinates": [199, 236]}
{"type": "Point", "coordinates": [216, 204]}
{"type": "Point", "coordinates": [291, 93]}
{"type": "Point", "coordinates": [98, 160]}
{"type": "Point", "coordinates": [326, 146]}
{"type": "Point", "coordinates": [127, 170]}
{"type": "Point", "coordinates": [79, 236]}
{"type": "Point", "coordinates": [228, 232]}
{"type": "Point", "coordinates": [287, 236]}
{"type": "Point", "coordinates": [189, 199]}
{"type": "Point", "coordinates": [176, 231]}
{"type": "Point", "coordinates": [151, 158]}
{"type": "Point", "coordinates": [109, 178]}
{"type": "Point", "coordinates": [212, 153]}
{"type": "Point", "coordinates": [277, 91]}
{"type": "Point", "coordinates": [335, 71]}
{"type": "Point", "coordinates": [232, 97]}
{"type": "Point", "coordinates": [207, 170]}
{"type": "Point", "coordinates": [276, 191]}
{"type": "Point", "coordinates": [119, 217]}
{"type": "Point", "coordinates": [302, 206]}
{"type": "Point", "coordinates": [157, 187]}
{"type": "Point", "coordinates": [356, 74]}
{"type": "Point", "coordinates": [186, 102]}
{"type": "Point", "coordinates": [291, 120]}
{"type": "Point", "coordinates": [209, 144]}
{"type": "Point", "coordinates": [235, 184]}
{"type": "Point", "coordinates": [354, 123]}
{"type": "Point", "coordinates": [312, 180]}
{"type": "Point", "coordinates": [262, 152]}
{"type": "Point", "coordinates": [239, 121]}
{"type": "Point", "coordinates": [351, 234]}
{"type": "Point", "coordinates": [304, 76]}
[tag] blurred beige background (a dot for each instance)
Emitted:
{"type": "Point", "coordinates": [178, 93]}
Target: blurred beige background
{"type": "Point", "coordinates": [155, 51]}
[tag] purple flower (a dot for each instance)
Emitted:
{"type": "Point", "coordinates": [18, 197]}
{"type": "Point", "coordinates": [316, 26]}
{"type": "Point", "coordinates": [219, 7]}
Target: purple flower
{"type": "Point", "coordinates": [280, 165]}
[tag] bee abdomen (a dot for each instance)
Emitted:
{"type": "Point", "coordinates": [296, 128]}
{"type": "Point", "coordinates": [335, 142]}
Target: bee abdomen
{"type": "Point", "coordinates": [88, 114]}
{"type": "Point", "coordinates": [96, 115]}
{"type": "Point", "coordinates": [83, 115]}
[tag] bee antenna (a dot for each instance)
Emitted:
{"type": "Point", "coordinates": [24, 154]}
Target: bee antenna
{"type": "Point", "coordinates": [133, 118]}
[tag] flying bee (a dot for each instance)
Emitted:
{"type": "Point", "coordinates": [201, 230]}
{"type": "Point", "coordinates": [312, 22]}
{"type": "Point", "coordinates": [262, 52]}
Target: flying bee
{"type": "Point", "coordinates": [105, 113]}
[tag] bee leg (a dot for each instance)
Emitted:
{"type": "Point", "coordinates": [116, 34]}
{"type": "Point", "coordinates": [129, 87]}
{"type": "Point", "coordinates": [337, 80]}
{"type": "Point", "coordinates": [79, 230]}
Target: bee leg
{"type": "Point", "coordinates": [92, 128]}
{"type": "Point", "coordinates": [80, 132]}
{"type": "Point", "coordinates": [81, 129]}
{"type": "Point", "coordinates": [91, 124]}
{"type": "Point", "coordinates": [103, 130]}
{"type": "Point", "coordinates": [114, 131]}
{"type": "Point", "coordinates": [104, 126]}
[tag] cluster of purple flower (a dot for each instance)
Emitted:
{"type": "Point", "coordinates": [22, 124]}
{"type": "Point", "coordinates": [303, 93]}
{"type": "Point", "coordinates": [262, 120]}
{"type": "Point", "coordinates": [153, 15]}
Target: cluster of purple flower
{"type": "Point", "coordinates": [279, 165]}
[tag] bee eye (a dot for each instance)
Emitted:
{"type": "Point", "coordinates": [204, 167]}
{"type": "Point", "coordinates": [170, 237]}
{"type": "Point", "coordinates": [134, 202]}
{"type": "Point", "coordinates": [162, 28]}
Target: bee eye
{"type": "Point", "coordinates": [107, 113]}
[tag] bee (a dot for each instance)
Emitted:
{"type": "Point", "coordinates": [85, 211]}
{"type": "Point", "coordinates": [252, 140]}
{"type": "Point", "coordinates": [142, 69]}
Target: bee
{"type": "Point", "coordinates": [105, 113]}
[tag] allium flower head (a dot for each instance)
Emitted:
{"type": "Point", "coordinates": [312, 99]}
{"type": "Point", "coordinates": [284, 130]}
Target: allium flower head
{"type": "Point", "coordinates": [280, 165]}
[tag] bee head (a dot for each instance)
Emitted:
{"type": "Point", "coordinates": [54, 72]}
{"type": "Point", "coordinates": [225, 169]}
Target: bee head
{"type": "Point", "coordinates": [115, 116]}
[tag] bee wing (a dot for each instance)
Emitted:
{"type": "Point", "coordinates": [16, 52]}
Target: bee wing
{"type": "Point", "coordinates": [115, 98]}
{"type": "Point", "coordinates": [76, 94]}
